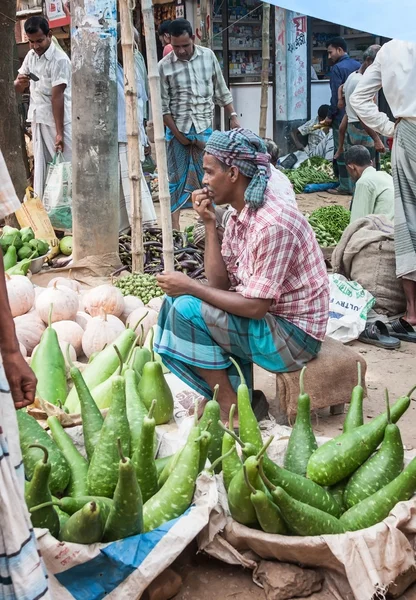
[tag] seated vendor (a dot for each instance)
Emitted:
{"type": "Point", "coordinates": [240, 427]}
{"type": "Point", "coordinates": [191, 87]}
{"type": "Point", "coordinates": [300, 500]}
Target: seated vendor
{"type": "Point", "coordinates": [374, 191]}
{"type": "Point", "coordinates": [267, 296]}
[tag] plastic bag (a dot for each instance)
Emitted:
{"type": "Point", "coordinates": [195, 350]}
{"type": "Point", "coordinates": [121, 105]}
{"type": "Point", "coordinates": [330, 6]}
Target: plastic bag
{"type": "Point", "coordinates": [32, 214]}
{"type": "Point", "coordinates": [349, 305]}
{"type": "Point", "coordinates": [57, 197]}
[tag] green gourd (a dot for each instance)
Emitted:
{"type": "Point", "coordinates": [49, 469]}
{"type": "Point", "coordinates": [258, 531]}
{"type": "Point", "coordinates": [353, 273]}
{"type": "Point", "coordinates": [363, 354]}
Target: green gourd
{"type": "Point", "coordinates": [143, 457]}
{"type": "Point", "coordinates": [175, 497]}
{"type": "Point", "coordinates": [161, 463]}
{"type": "Point", "coordinates": [355, 417]}
{"type": "Point", "coordinates": [302, 441]}
{"type": "Point", "coordinates": [153, 385]}
{"type": "Point", "coordinates": [70, 505]}
{"type": "Point", "coordinates": [126, 515]}
{"type": "Point", "coordinates": [376, 508]}
{"type": "Point", "coordinates": [92, 419]}
{"type": "Point", "coordinates": [340, 457]}
{"type": "Point", "coordinates": [77, 464]}
{"type": "Point", "coordinates": [168, 468]}
{"type": "Point", "coordinates": [205, 442]}
{"type": "Point", "coordinates": [140, 357]}
{"type": "Point", "coordinates": [267, 513]}
{"type": "Point", "coordinates": [103, 470]}
{"type": "Point", "coordinates": [303, 519]}
{"type": "Point", "coordinates": [212, 412]}
{"type": "Point", "coordinates": [85, 526]}
{"type": "Point", "coordinates": [232, 464]}
{"type": "Point", "coordinates": [381, 468]}
{"type": "Point", "coordinates": [48, 364]}
{"type": "Point", "coordinates": [239, 495]}
{"type": "Point", "coordinates": [30, 432]}
{"type": "Point", "coordinates": [136, 410]}
{"type": "Point", "coordinates": [10, 258]}
{"type": "Point", "coordinates": [38, 492]}
{"type": "Point", "coordinates": [103, 366]}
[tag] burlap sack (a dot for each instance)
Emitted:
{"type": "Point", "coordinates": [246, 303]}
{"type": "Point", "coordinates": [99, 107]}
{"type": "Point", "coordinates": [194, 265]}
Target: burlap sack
{"type": "Point", "coordinates": [360, 565]}
{"type": "Point", "coordinates": [365, 254]}
{"type": "Point", "coordinates": [329, 379]}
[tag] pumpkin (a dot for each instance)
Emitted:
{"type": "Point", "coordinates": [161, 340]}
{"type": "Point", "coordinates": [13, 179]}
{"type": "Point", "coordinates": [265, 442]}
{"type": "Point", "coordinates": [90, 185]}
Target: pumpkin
{"type": "Point", "coordinates": [69, 332]}
{"type": "Point", "coordinates": [23, 350]}
{"type": "Point", "coordinates": [82, 318]}
{"type": "Point", "coordinates": [72, 284]}
{"type": "Point", "coordinates": [155, 304]}
{"type": "Point", "coordinates": [29, 329]}
{"type": "Point", "coordinates": [130, 304]}
{"type": "Point", "coordinates": [21, 294]}
{"type": "Point", "coordinates": [105, 297]}
{"type": "Point", "coordinates": [64, 300]}
{"type": "Point", "coordinates": [39, 290]}
{"type": "Point", "coordinates": [100, 332]}
{"type": "Point", "coordinates": [149, 316]}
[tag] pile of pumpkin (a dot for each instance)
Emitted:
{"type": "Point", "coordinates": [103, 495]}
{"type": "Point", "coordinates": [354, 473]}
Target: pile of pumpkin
{"type": "Point", "coordinates": [87, 320]}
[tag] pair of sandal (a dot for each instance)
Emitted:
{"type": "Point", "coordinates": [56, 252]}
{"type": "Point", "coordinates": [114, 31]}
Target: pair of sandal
{"type": "Point", "coordinates": [388, 335]}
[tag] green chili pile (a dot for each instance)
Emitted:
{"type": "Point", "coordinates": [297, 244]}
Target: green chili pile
{"type": "Point", "coordinates": [329, 223]}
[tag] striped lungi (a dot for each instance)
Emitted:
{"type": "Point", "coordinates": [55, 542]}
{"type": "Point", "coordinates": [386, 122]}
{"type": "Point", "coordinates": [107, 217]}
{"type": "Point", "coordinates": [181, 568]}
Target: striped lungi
{"type": "Point", "coordinates": [404, 176]}
{"type": "Point", "coordinates": [357, 136]}
{"type": "Point", "coordinates": [185, 167]}
{"type": "Point", "coordinates": [191, 333]}
{"type": "Point", "coordinates": [22, 573]}
{"type": "Point", "coordinates": [148, 209]}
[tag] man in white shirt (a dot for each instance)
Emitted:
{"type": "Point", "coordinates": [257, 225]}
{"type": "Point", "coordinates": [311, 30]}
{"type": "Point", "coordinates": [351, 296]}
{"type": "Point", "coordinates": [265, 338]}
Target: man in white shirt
{"type": "Point", "coordinates": [316, 135]}
{"type": "Point", "coordinates": [394, 70]}
{"type": "Point", "coordinates": [50, 97]}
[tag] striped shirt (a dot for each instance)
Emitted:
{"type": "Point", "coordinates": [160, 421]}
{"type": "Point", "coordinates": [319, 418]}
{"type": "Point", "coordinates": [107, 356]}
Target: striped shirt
{"type": "Point", "coordinates": [9, 202]}
{"type": "Point", "coordinates": [272, 253]}
{"type": "Point", "coordinates": [191, 88]}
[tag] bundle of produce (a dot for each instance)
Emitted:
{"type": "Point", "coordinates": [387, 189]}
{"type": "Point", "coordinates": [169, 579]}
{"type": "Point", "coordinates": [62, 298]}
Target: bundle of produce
{"type": "Point", "coordinates": [140, 285]}
{"type": "Point", "coordinates": [188, 258]}
{"type": "Point", "coordinates": [329, 223]}
{"type": "Point", "coordinates": [351, 482]}
{"type": "Point", "coordinates": [385, 163]}
{"type": "Point", "coordinates": [19, 248]}
{"type": "Point", "coordinates": [120, 490]}
{"type": "Point", "coordinates": [319, 164]}
{"type": "Point", "coordinates": [305, 175]}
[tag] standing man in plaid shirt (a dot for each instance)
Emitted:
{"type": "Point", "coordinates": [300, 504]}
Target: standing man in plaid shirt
{"type": "Point", "coordinates": [267, 296]}
{"type": "Point", "coordinates": [191, 84]}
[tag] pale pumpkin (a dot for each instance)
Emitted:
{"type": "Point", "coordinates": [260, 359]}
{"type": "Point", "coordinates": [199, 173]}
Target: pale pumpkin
{"type": "Point", "coordinates": [73, 285]}
{"type": "Point", "coordinates": [155, 304]}
{"type": "Point", "coordinates": [69, 332]}
{"type": "Point", "coordinates": [64, 300]}
{"type": "Point", "coordinates": [149, 317]}
{"type": "Point", "coordinates": [104, 297]}
{"type": "Point", "coordinates": [29, 329]}
{"type": "Point", "coordinates": [23, 350]}
{"type": "Point", "coordinates": [130, 304]}
{"type": "Point", "coordinates": [21, 294]}
{"type": "Point", "coordinates": [100, 332]}
{"type": "Point", "coordinates": [82, 318]}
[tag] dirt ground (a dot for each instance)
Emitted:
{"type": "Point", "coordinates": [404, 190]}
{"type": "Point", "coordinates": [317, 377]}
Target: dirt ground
{"type": "Point", "coordinates": [205, 578]}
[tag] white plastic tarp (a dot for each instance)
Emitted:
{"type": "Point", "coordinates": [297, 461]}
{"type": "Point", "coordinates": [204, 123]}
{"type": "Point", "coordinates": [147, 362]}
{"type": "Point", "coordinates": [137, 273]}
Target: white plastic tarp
{"type": "Point", "coordinates": [379, 17]}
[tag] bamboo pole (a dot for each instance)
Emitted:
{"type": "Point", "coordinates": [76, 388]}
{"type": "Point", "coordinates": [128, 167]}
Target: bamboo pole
{"type": "Point", "coordinates": [161, 160]}
{"type": "Point", "coordinates": [265, 70]}
{"type": "Point", "coordinates": [133, 135]}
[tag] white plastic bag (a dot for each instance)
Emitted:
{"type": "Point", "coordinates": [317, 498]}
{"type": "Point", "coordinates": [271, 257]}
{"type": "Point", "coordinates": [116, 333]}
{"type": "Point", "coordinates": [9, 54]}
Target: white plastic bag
{"type": "Point", "coordinates": [349, 305]}
{"type": "Point", "coordinates": [57, 197]}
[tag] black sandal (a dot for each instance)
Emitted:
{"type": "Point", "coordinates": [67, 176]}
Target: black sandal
{"type": "Point", "coordinates": [402, 330]}
{"type": "Point", "coordinates": [377, 334]}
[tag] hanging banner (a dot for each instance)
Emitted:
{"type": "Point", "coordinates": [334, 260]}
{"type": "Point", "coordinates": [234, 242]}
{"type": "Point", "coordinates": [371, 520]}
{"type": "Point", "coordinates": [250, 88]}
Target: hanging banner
{"type": "Point", "coordinates": [57, 13]}
{"type": "Point", "coordinates": [291, 65]}
{"type": "Point", "coordinates": [379, 17]}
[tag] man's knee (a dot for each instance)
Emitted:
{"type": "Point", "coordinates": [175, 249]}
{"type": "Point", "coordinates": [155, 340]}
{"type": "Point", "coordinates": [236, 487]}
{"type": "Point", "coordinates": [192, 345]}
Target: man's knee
{"type": "Point", "coordinates": [187, 306]}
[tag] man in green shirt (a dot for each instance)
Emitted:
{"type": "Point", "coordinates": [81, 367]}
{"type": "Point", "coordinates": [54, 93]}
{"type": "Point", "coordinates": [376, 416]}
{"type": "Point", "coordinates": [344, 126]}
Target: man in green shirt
{"type": "Point", "coordinates": [374, 192]}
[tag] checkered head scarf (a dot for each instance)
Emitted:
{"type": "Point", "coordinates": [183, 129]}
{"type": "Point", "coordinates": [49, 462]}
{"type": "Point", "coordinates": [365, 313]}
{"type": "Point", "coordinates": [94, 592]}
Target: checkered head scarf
{"type": "Point", "coordinates": [243, 149]}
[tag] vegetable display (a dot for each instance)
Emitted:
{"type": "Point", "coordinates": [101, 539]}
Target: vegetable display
{"type": "Point", "coordinates": [20, 247]}
{"type": "Point", "coordinates": [329, 223]}
{"type": "Point", "coordinates": [310, 171]}
{"type": "Point", "coordinates": [188, 258]}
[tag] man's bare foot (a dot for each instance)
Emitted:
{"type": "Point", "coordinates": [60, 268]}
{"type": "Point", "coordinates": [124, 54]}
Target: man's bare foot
{"type": "Point", "coordinates": [201, 408]}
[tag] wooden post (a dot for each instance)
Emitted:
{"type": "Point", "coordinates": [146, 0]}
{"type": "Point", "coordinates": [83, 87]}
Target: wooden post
{"type": "Point", "coordinates": [265, 70]}
{"type": "Point", "coordinates": [161, 160]}
{"type": "Point", "coordinates": [133, 135]}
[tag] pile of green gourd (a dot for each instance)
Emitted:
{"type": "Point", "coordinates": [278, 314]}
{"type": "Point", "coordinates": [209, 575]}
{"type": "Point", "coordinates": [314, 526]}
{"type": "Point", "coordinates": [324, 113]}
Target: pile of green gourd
{"type": "Point", "coordinates": [20, 245]}
{"type": "Point", "coordinates": [349, 483]}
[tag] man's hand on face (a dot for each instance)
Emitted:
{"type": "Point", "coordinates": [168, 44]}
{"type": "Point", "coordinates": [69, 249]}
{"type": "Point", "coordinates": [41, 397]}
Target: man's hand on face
{"type": "Point", "coordinates": [22, 83]}
{"type": "Point", "coordinates": [22, 380]}
{"type": "Point", "coordinates": [175, 284]}
{"type": "Point", "coordinates": [327, 122]}
{"type": "Point", "coordinates": [59, 143]}
{"type": "Point", "coordinates": [202, 203]}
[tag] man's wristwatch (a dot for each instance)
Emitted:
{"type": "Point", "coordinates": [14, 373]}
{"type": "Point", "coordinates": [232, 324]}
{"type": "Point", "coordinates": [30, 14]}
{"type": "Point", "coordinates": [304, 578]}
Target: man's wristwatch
{"type": "Point", "coordinates": [233, 114]}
